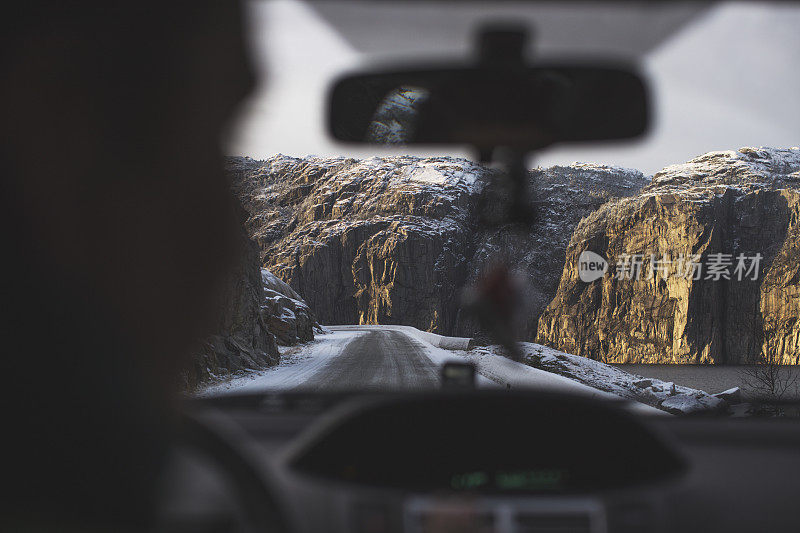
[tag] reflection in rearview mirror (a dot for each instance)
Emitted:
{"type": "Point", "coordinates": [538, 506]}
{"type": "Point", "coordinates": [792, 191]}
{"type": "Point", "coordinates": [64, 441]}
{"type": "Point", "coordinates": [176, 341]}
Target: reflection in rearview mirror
{"type": "Point", "coordinates": [395, 118]}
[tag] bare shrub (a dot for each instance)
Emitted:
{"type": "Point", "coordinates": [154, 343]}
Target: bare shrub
{"type": "Point", "coordinates": [769, 379]}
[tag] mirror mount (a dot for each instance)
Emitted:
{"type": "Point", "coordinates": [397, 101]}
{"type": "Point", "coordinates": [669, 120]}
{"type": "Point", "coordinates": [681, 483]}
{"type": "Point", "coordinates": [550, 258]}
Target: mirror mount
{"type": "Point", "coordinates": [502, 45]}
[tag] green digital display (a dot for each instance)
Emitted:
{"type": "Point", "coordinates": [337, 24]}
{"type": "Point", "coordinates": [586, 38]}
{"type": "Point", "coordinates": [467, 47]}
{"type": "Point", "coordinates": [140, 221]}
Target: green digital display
{"type": "Point", "coordinates": [511, 480]}
{"type": "Point", "coordinates": [470, 480]}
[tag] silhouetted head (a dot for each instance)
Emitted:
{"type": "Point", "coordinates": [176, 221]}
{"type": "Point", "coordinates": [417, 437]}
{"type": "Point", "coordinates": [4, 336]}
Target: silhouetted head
{"type": "Point", "coordinates": [117, 226]}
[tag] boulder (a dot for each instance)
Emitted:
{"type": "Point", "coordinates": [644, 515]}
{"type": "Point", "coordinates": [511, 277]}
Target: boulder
{"type": "Point", "coordinates": [690, 403]}
{"type": "Point", "coordinates": [285, 313]}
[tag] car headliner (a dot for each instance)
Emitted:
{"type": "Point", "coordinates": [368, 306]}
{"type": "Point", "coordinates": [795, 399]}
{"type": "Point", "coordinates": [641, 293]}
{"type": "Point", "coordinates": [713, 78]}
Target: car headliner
{"type": "Point", "coordinates": [631, 29]}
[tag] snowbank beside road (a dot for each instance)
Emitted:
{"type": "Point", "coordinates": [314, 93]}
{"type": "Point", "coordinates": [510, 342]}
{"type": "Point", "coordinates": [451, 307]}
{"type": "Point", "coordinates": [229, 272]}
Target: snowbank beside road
{"type": "Point", "coordinates": [512, 374]}
{"type": "Point", "coordinates": [665, 395]}
{"type": "Point", "coordinates": [297, 365]}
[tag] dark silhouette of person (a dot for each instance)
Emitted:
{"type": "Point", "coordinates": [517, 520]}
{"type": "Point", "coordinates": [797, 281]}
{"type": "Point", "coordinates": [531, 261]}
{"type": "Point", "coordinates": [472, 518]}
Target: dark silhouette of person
{"type": "Point", "coordinates": [117, 229]}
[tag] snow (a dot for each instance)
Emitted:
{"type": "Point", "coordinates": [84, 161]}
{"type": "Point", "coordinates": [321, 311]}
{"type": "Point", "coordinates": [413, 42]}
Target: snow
{"type": "Point", "coordinates": [598, 167]}
{"type": "Point", "coordinates": [508, 373]}
{"type": "Point", "coordinates": [686, 403]}
{"type": "Point", "coordinates": [275, 290]}
{"type": "Point", "coordinates": [269, 279]}
{"type": "Point", "coordinates": [297, 365]}
{"type": "Point", "coordinates": [440, 356]}
{"type": "Point", "coordinates": [732, 396]}
{"type": "Point", "coordinates": [715, 174]}
{"type": "Point", "coordinates": [654, 392]}
{"type": "Point", "coordinates": [749, 161]}
{"type": "Point", "coordinates": [428, 175]}
{"type": "Point", "coordinates": [430, 342]}
{"type": "Point", "coordinates": [515, 375]}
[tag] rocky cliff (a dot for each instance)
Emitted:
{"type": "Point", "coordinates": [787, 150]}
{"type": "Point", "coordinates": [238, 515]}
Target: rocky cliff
{"type": "Point", "coordinates": [243, 341]}
{"type": "Point", "coordinates": [562, 196]}
{"type": "Point", "coordinates": [392, 240]}
{"type": "Point", "coordinates": [702, 267]}
{"type": "Point", "coordinates": [373, 241]}
{"type": "Point", "coordinates": [259, 312]}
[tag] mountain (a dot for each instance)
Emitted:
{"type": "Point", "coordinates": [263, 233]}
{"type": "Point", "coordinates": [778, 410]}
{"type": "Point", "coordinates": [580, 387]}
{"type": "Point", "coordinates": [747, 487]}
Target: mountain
{"type": "Point", "coordinates": [715, 242]}
{"type": "Point", "coordinates": [392, 240]}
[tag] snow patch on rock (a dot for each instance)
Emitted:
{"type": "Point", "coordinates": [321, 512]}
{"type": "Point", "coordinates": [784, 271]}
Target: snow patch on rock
{"type": "Point", "coordinates": [744, 166]}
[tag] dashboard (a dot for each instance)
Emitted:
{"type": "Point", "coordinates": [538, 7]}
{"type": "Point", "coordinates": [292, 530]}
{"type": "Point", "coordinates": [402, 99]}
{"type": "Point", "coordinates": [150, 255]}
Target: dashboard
{"type": "Point", "coordinates": [484, 443]}
{"type": "Point", "coordinates": [502, 461]}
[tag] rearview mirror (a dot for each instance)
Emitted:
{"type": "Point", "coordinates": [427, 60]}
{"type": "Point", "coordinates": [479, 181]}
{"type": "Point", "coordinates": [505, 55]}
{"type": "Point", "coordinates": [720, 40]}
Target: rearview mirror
{"type": "Point", "coordinates": [525, 108]}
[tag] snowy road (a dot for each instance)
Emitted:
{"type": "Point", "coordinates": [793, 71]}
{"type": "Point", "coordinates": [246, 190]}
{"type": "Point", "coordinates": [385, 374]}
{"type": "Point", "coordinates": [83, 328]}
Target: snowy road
{"type": "Point", "coordinates": [379, 359]}
{"type": "Point", "coordinates": [391, 357]}
{"type": "Point", "coordinates": [350, 357]}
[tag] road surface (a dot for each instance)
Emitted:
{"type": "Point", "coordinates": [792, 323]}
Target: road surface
{"type": "Point", "coordinates": [349, 357]}
{"type": "Point", "coordinates": [378, 359]}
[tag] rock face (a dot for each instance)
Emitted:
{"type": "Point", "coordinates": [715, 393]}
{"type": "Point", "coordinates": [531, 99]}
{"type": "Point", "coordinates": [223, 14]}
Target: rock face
{"type": "Point", "coordinates": [699, 231]}
{"type": "Point", "coordinates": [374, 241]}
{"type": "Point", "coordinates": [563, 195]}
{"type": "Point", "coordinates": [392, 240]}
{"type": "Point", "coordinates": [243, 341]}
{"type": "Point", "coordinates": [259, 312]}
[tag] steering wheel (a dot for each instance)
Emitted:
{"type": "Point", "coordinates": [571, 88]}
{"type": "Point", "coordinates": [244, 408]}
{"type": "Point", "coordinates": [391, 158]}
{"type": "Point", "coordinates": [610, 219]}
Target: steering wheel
{"type": "Point", "coordinates": [219, 440]}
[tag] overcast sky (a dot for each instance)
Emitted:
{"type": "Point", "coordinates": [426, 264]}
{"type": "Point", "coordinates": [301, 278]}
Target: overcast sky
{"type": "Point", "coordinates": [729, 79]}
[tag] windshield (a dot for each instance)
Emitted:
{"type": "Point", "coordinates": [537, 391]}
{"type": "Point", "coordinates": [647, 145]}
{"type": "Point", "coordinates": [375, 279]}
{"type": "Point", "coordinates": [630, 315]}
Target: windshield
{"type": "Point", "coordinates": [663, 271]}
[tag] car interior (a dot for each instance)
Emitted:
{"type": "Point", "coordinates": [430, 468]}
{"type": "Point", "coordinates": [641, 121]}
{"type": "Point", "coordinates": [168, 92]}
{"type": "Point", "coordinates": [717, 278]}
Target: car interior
{"type": "Point", "coordinates": [516, 460]}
